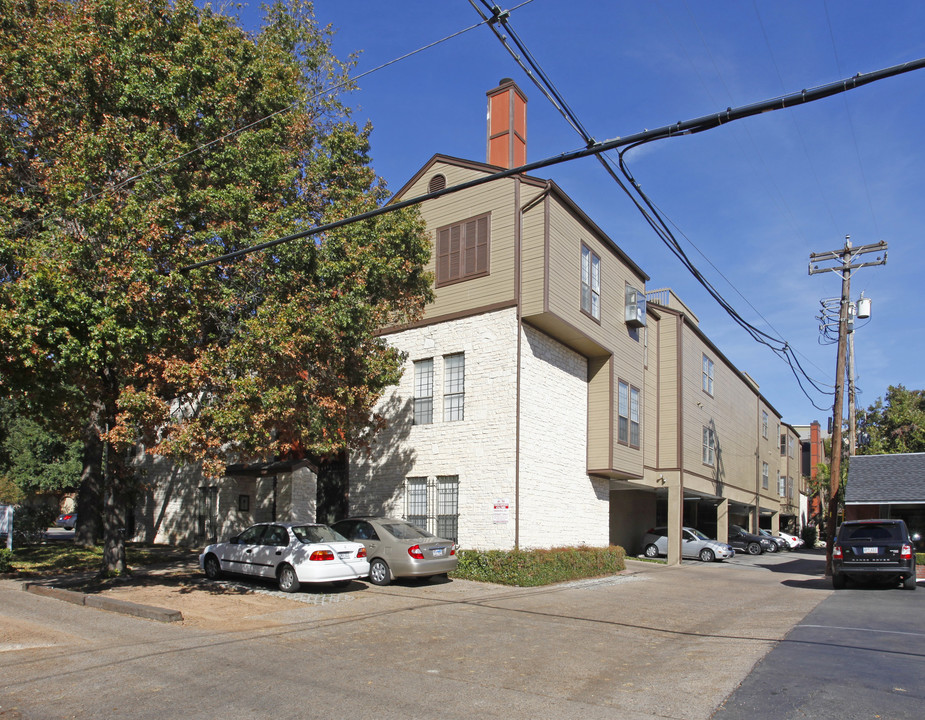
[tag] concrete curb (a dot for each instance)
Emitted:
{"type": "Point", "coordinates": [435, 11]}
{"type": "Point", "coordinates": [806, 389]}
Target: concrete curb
{"type": "Point", "coordinates": [100, 602]}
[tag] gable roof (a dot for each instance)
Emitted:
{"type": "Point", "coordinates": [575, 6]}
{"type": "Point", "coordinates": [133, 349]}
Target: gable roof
{"type": "Point", "coordinates": [530, 180]}
{"type": "Point", "coordinates": [886, 479]}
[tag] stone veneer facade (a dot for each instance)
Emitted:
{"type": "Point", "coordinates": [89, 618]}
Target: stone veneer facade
{"type": "Point", "coordinates": [481, 450]}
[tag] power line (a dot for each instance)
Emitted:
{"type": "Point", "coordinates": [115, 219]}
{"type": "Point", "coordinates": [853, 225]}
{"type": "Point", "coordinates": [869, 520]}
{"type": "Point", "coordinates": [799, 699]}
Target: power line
{"type": "Point", "coordinates": [689, 127]}
{"type": "Point", "coordinates": [649, 211]}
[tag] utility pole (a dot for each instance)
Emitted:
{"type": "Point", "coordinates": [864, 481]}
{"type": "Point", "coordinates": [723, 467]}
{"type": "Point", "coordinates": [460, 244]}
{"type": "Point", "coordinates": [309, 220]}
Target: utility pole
{"type": "Point", "coordinates": [846, 259]}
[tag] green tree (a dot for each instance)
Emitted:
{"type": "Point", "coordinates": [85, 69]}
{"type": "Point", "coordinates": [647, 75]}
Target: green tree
{"type": "Point", "coordinates": [141, 136]}
{"type": "Point", "coordinates": [33, 458]}
{"type": "Point", "coordinates": [893, 424]}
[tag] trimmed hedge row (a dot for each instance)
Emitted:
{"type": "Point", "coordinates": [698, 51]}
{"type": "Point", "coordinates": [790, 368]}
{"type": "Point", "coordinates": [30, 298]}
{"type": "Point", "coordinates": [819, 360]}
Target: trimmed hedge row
{"type": "Point", "coordinates": [530, 568]}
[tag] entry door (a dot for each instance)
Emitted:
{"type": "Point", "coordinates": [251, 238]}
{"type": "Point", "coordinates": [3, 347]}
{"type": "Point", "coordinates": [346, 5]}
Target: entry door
{"type": "Point", "coordinates": [208, 513]}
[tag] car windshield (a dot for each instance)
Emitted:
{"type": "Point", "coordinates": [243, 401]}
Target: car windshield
{"type": "Point", "coordinates": [405, 531]}
{"type": "Point", "coordinates": [699, 535]}
{"type": "Point", "coordinates": [317, 534]}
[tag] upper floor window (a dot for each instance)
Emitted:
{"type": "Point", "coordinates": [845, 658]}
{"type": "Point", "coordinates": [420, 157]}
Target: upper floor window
{"type": "Point", "coordinates": [790, 446]}
{"type": "Point", "coordinates": [709, 446]}
{"type": "Point", "coordinates": [628, 414]}
{"type": "Point", "coordinates": [424, 392]}
{"type": "Point", "coordinates": [783, 444]}
{"type": "Point", "coordinates": [462, 250]}
{"type": "Point", "coordinates": [707, 375]}
{"type": "Point", "coordinates": [454, 387]}
{"type": "Point", "coordinates": [764, 425]}
{"type": "Point", "coordinates": [765, 476]}
{"type": "Point", "coordinates": [590, 283]}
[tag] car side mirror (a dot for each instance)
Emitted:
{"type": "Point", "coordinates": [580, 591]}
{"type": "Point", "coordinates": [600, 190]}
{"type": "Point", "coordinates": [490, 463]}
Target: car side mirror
{"type": "Point", "coordinates": [234, 541]}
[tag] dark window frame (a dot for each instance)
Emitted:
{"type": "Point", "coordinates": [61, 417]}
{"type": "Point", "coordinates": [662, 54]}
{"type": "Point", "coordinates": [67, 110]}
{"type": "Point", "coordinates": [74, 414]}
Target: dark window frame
{"type": "Point", "coordinates": [592, 293]}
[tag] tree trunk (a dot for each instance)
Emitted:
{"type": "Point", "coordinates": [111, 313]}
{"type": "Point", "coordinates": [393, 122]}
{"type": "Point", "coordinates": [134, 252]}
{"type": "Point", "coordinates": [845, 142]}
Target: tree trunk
{"type": "Point", "coordinates": [115, 514]}
{"type": "Point", "coordinates": [90, 491]}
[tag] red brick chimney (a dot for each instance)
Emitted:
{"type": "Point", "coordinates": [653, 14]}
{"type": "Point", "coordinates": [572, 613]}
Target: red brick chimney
{"type": "Point", "coordinates": [507, 125]}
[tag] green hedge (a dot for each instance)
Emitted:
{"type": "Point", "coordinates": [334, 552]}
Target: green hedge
{"type": "Point", "coordinates": [920, 559]}
{"type": "Point", "coordinates": [529, 568]}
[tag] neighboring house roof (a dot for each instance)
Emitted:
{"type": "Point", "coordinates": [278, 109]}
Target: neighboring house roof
{"type": "Point", "coordinates": [886, 479]}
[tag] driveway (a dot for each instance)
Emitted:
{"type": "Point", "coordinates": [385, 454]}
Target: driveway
{"type": "Point", "coordinates": [656, 641]}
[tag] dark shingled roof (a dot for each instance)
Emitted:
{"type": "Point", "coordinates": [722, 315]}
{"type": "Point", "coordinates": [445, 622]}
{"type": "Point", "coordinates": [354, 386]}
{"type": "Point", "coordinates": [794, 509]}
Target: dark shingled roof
{"type": "Point", "coordinates": [886, 479]}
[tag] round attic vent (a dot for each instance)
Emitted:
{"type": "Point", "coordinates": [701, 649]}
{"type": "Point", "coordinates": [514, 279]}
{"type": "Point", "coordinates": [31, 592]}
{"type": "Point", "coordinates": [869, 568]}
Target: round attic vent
{"type": "Point", "coordinates": [437, 182]}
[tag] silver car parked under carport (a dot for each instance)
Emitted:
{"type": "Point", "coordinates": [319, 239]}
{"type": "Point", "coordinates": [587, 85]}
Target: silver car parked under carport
{"type": "Point", "coordinates": [694, 544]}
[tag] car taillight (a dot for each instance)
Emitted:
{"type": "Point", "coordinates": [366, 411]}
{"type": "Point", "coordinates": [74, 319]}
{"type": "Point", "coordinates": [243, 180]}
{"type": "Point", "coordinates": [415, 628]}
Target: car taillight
{"type": "Point", "coordinates": [453, 549]}
{"type": "Point", "coordinates": [906, 552]}
{"type": "Point", "coordinates": [321, 555]}
{"type": "Point", "coordinates": [361, 553]}
{"type": "Point", "coordinates": [415, 552]}
{"type": "Point", "coordinates": [836, 552]}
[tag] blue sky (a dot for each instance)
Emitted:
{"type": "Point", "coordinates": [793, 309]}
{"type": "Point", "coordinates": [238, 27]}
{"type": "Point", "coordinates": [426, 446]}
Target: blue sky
{"type": "Point", "coordinates": [750, 200]}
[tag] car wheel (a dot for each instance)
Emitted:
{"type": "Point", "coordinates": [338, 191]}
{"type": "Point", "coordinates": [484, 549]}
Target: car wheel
{"type": "Point", "coordinates": [754, 548]}
{"type": "Point", "coordinates": [288, 580]}
{"type": "Point", "coordinates": [379, 573]}
{"type": "Point", "coordinates": [651, 551]}
{"type": "Point", "coordinates": [212, 567]}
{"type": "Point", "coordinates": [772, 547]}
{"type": "Point", "coordinates": [838, 581]}
{"type": "Point", "coordinates": [707, 555]}
{"type": "Point", "coordinates": [909, 582]}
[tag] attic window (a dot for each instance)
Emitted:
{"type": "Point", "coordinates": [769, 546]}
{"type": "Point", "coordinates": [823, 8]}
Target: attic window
{"type": "Point", "coordinates": [437, 183]}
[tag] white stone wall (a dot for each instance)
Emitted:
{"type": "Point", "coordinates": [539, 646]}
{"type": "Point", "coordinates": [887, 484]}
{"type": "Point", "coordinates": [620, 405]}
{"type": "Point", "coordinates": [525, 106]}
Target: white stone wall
{"type": "Point", "coordinates": [479, 449]}
{"type": "Point", "coordinates": [559, 503]}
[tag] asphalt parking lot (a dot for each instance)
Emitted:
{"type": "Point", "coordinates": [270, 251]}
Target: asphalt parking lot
{"type": "Point", "coordinates": [653, 642]}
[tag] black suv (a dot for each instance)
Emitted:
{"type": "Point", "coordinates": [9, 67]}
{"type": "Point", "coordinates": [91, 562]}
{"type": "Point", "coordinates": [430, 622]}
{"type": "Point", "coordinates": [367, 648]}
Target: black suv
{"type": "Point", "coordinates": [868, 549]}
{"type": "Point", "coordinates": [741, 539]}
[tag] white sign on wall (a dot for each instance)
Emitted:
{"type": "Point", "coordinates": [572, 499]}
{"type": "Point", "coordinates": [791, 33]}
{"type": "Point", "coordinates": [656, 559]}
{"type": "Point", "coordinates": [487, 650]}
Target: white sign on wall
{"type": "Point", "coordinates": [502, 511]}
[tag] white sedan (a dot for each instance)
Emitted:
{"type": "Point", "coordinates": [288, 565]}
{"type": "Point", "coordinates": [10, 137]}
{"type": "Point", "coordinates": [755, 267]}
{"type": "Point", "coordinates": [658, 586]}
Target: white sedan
{"type": "Point", "coordinates": [792, 540]}
{"type": "Point", "coordinates": [292, 553]}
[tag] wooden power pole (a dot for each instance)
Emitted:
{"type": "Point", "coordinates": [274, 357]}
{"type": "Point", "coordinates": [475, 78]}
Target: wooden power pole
{"type": "Point", "coordinates": [846, 262]}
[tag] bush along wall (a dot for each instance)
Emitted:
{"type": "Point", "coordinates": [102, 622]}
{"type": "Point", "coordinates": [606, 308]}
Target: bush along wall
{"type": "Point", "coordinates": [530, 568]}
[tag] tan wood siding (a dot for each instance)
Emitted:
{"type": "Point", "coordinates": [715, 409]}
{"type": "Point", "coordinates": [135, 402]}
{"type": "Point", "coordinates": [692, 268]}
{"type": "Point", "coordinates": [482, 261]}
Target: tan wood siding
{"type": "Point", "coordinates": [496, 198]}
{"type": "Point", "coordinates": [600, 390]}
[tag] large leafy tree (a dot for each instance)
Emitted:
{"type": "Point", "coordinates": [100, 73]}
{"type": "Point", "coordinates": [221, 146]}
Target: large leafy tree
{"type": "Point", "coordinates": [138, 137]}
{"type": "Point", "coordinates": [894, 423]}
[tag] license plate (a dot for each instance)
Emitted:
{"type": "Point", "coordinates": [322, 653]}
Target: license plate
{"type": "Point", "coordinates": [346, 555]}
{"type": "Point", "coordinates": [439, 552]}
{"type": "Point", "coordinates": [871, 551]}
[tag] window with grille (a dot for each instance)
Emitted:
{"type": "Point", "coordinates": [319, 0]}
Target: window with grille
{"type": "Point", "coordinates": [454, 387]}
{"type": "Point", "coordinates": [707, 375]}
{"type": "Point", "coordinates": [462, 250]}
{"type": "Point", "coordinates": [765, 475]}
{"type": "Point", "coordinates": [432, 504]}
{"type": "Point", "coordinates": [782, 486]}
{"type": "Point", "coordinates": [424, 392]}
{"type": "Point", "coordinates": [709, 446]}
{"type": "Point", "coordinates": [590, 283]}
{"type": "Point", "coordinates": [416, 502]}
{"type": "Point", "coordinates": [764, 424]}
{"type": "Point", "coordinates": [448, 507]}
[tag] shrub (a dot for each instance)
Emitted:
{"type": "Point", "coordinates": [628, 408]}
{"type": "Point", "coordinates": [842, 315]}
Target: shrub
{"type": "Point", "coordinates": [30, 523]}
{"type": "Point", "coordinates": [809, 535]}
{"type": "Point", "coordinates": [530, 568]}
{"type": "Point", "coordinates": [6, 560]}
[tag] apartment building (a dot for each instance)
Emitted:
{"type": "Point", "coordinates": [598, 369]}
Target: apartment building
{"type": "Point", "coordinates": [544, 402]}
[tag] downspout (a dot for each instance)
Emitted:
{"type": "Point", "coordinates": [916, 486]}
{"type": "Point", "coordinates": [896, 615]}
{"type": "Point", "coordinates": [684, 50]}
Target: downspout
{"type": "Point", "coordinates": [518, 279]}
